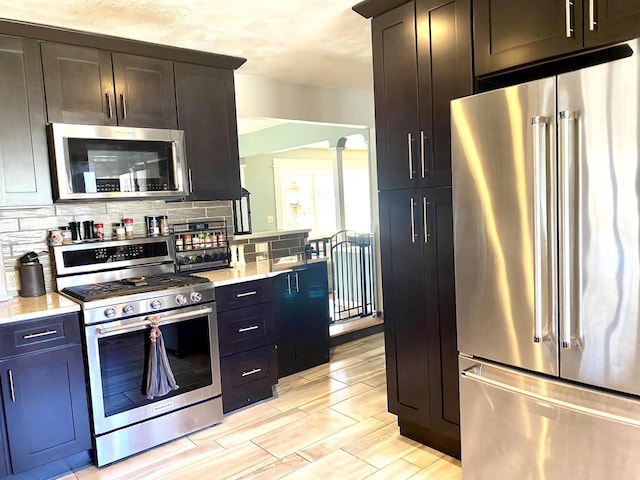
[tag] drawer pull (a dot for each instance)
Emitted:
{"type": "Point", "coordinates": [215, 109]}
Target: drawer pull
{"type": "Point", "coordinates": [40, 334]}
{"type": "Point", "coordinates": [248, 329]}
{"type": "Point", "coordinates": [251, 372]}
{"type": "Point", "coordinates": [246, 294]}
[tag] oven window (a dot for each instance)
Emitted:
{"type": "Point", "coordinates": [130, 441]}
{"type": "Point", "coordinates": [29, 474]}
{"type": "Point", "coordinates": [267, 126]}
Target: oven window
{"type": "Point", "coordinates": [120, 165]}
{"type": "Point", "coordinates": [123, 360]}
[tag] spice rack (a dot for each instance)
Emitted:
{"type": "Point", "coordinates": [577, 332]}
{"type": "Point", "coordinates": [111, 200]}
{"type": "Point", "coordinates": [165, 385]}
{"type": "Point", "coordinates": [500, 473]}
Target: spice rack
{"type": "Point", "coordinates": [201, 245]}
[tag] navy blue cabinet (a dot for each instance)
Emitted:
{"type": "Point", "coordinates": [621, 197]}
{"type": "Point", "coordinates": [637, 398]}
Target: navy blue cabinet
{"type": "Point", "coordinates": [302, 316]}
{"type": "Point", "coordinates": [44, 398]}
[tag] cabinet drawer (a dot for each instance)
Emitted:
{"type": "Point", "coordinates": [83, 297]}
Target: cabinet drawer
{"type": "Point", "coordinates": [243, 294]}
{"type": "Point", "coordinates": [248, 377]}
{"type": "Point", "coordinates": [246, 328]}
{"type": "Point", "coordinates": [30, 336]}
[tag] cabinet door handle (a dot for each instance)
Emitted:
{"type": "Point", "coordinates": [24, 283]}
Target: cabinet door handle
{"type": "Point", "coordinates": [425, 206]}
{"type": "Point", "coordinates": [422, 152]}
{"type": "Point", "coordinates": [410, 149]}
{"type": "Point", "coordinates": [248, 329]}
{"type": "Point", "coordinates": [40, 334]}
{"type": "Point", "coordinates": [124, 105]}
{"type": "Point", "coordinates": [295, 274]}
{"type": "Point", "coordinates": [251, 372]}
{"type": "Point", "coordinates": [592, 15]}
{"type": "Point", "coordinates": [288, 283]}
{"type": "Point", "coordinates": [413, 220]}
{"type": "Point", "coordinates": [568, 12]}
{"type": "Point", "coordinates": [246, 294]}
{"type": "Point", "coordinates": [11, 389]}
{"type": "Point", "coordinates": [109, 110]}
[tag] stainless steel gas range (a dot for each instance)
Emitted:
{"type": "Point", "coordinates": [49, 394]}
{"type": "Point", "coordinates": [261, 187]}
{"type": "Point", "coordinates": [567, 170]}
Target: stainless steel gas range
{"type": "Point", "coordinates": [122, 287]}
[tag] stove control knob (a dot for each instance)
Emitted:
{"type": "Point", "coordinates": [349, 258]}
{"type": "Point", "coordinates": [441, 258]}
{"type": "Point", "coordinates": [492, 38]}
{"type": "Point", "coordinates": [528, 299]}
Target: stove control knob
{"type": "Point", "coordinates": [110, 312]}
{"type": "Point", "coordinates": [181, 300]}
{"type": "Point", "coordinates": [127, 309]}
{"type": "Point", "coordinates": [196, 297]}
{"type": "Point", "coordinates": [156, 304]}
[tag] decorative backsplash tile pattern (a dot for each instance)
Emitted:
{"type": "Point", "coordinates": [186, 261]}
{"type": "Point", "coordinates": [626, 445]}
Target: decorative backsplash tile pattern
{"type": "Point", "coordinates": [26, 229]}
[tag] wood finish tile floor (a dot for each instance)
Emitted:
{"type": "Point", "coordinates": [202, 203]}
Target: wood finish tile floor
{"type": "Point", "coordinates": [329, 422]}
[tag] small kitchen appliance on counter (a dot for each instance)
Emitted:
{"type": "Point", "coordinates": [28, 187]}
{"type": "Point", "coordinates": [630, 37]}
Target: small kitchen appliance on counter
{"type": "Point", "coordinates": [31, 275]}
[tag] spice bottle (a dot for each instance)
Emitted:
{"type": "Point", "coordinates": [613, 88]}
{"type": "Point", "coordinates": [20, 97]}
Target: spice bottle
{"type": "Point", "coordinates": [179, 243]}
{"type": "Point", "coordinates": [65, 232]}
{"type": "Point", "coordinates": [128, 227]}
{"type": "Point", "coordinates": [119, 231]}
{"type": "Point", "coordinates": [99, 231]}
{"type": "Point", "coordinates": [164, 225]}
{"type": "Point", "coordinates": [187, 241]}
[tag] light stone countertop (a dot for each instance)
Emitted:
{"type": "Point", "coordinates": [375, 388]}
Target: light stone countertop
{"type": "Point", "coordinates": [246, 273]}
{"type": "Point", "coordinates": [250, 271]}
{"type": "Point", "coordinates": [272, 233]}
{"type": "Point", "coordinates": [19, 309]}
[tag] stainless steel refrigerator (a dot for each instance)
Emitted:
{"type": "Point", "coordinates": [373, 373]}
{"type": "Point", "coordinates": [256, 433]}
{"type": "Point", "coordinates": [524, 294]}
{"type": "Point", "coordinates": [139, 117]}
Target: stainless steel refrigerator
{"type": "Point", "coordinates": [546, 196]}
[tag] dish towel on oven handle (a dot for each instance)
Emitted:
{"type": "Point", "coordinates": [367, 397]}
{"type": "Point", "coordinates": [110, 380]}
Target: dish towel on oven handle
{"type": "Point", "coordinates": [160, 380]}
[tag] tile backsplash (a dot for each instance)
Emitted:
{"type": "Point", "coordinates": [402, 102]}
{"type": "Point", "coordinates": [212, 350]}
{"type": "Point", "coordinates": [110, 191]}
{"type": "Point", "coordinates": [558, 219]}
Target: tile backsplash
{"type": "Point", "coordinates": [26, 229]}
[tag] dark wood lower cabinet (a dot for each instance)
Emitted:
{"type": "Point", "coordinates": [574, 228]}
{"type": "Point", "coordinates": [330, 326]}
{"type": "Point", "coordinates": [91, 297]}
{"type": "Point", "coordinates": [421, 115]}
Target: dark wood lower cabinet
{"type": "Point", "coordinates": [247, 334]}
{"type": "Point", "coordinates": [302, 317]}
{"type": "Point", "coordinates": [46, 407]}
{"type": "Point", "coordinates": [416, 234]}
{"type": "Point", "coordinates": [45, 417]}
{"type": "Point", "coordinates": [248, 377]}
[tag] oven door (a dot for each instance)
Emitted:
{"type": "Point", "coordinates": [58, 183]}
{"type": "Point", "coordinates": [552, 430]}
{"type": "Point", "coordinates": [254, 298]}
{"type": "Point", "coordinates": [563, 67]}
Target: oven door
{"type": "Point", "coordinates": [117, 353]}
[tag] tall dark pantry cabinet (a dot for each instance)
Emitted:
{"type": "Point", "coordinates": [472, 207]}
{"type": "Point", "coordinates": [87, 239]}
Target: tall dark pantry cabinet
{"type": "Point", "coordinates": [422, 59]}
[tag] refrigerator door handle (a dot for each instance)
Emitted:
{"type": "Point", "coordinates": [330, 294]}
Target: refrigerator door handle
{"type": "Point", "coordinates": [566, 170]}
{"type": "Point", "coordinates": [539, 126]}
{"type": "Point", "coordinates": [475, 374]}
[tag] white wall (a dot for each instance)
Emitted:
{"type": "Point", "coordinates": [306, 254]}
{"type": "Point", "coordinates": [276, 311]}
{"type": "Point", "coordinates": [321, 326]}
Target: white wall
{"type": "Point", "coordinates": [259, 97]}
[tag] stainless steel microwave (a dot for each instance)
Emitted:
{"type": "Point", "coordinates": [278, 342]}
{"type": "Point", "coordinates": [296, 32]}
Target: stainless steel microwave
{"type": "Point", "coordinates": [94, 162]}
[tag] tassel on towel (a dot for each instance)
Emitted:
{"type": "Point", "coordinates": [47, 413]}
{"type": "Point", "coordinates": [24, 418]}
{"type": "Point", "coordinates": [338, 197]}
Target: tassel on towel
{"type": "Point", "coordinates": [160, 380]}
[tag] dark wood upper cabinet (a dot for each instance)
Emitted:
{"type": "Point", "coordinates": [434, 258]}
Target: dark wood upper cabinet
{"type": "Point", "coordinates": [444, 73]}
{"type": "Point", "coordinates": [422, 60]}
{"type": "Point", "coordinates": [207, 114]}
{"type": "Point", "coordinates": [610, 21]}
{"type": "Point", "coordinates": [395, 71]}
{"type": "Point", "coordinates": [515, 33]}
{"type": "Point", "coordinates": [95, 87]}
{"type": "Point", "coordinates": [78, 84]}
{"type": "Point", "coordinates": [24, 161]}
{"type": "Point", "coordinates": [145, 91]}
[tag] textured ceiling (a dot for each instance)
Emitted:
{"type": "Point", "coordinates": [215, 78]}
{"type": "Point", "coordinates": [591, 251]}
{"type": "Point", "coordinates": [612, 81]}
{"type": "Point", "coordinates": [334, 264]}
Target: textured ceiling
{"type": "Point", "coordinates": [315, 42]}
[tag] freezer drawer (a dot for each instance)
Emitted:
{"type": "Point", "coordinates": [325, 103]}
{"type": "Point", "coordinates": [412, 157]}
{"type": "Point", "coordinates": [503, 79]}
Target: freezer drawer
{"type": "Point", "coordinates": [523, 426]}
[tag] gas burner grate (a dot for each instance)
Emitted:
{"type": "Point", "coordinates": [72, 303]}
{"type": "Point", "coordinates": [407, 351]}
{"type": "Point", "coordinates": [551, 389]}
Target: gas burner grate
{"type": "Point", "coordinates": [153, 283]}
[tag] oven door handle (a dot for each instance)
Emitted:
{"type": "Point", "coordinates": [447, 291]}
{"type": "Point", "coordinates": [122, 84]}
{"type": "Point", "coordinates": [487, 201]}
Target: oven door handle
{"type": "Point", "coordinates": [147, 321]}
